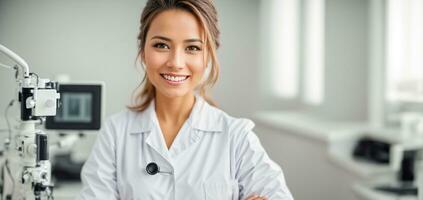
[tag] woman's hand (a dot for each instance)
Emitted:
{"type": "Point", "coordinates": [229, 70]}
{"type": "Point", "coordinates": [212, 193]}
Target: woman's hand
{"type": "Point", "coordinates": [256, 197]}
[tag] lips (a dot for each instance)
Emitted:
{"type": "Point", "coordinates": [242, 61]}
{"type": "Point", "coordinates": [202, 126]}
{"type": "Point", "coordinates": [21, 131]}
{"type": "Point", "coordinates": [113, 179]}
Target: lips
{"type": "Point", "coordinates": [174, 78]}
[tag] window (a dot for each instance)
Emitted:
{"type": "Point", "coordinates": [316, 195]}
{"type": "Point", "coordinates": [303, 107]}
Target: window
{"type": "Point", "coordinates": [404, 74]}
{"type": "Point", "coordinates": [283, 34]}
{"type": "Point", "coordinates": [403, 58]}
{"type": "Point", "coordinates": [314, 52]}
{"type": "Point", "coordinates": [296, 32]}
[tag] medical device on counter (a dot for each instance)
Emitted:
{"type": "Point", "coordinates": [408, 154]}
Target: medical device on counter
{"type": "Point", "coordinates": [81, 107]}
{"type": "Point", "coordinates": [404, 155]}
{"type": "Point", "coordinates": [406, 159]}
{"type": "Point", "coordinates": [27, 169]}
{"type": "Point", "coordinates": [407, 156]}
{"type": "Point", "coordinates": [81, 110]}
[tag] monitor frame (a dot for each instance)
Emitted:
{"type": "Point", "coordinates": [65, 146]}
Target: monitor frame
{"type": "Point", "coordinates": [96, 109]}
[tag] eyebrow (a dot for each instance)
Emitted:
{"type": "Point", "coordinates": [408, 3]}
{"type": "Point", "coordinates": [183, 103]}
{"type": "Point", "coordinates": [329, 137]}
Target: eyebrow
{"type": "Point", "coordinates": [168, 39]}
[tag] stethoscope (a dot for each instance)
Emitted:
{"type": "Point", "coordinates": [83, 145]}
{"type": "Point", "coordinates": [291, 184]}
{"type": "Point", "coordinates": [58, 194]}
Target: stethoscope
{"type": "Point", "coordinates": [152, 168]}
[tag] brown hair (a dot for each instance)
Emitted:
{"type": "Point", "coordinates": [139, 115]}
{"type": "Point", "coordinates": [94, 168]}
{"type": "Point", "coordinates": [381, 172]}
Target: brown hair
{"type": "Point", "coordinates": [205, 12]}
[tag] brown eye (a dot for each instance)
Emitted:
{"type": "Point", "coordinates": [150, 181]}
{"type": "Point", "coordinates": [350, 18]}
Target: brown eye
{"type": "Point", "coordinates": [161, 46]}
{"type": "Point", "coordinates": [193, 48]}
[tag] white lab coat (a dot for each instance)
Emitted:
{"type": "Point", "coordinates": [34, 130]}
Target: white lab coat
{"type": "Point", "coordinates": [213, 157]}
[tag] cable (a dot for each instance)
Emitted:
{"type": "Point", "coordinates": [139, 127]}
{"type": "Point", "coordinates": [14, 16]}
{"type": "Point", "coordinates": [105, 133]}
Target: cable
{"type": "Point", "coordinates": [32, 73]}
{"type": "Point", "coordinates": [6, 164]}
{"type": "Point", "coordinates": [11, 176]}
{"type": "Point", "coordinates": [6, 116]}
{"type": "Point", "coordinates": [5, 66]}
{"type": "Point", "coordinates": [51, 196]}
{"type": "Point", "coordinates": [2, 179]}
{"type": "Point", "coordinates": [16, 68]}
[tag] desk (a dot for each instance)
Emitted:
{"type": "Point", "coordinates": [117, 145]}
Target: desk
{"type": "Point", "coordinates": [366, 191]}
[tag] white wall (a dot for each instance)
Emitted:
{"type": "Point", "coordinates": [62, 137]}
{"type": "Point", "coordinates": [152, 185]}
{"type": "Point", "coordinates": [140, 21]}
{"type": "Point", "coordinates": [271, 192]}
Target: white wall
{"type": "Point", "coordinates": [238, 87]}
{"type": "Point", "coordinates": [347, 43]}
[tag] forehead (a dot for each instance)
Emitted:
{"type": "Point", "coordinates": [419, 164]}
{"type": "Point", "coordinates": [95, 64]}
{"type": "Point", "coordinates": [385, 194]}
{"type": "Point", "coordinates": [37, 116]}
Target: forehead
{"type": "Point", "coordinates": [175, 24]}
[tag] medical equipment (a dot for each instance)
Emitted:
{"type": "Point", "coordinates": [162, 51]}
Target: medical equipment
{"type": "Point", "coordinates": [81, 107]}
{"type": "Point", "coordinates": [27, 169]}
{"type": "Point", "coordinates": [405, 160]}
{"type": "Point", "coordinates": [81, 111]}
{"type": "Point", "coordinates": [152, 169]}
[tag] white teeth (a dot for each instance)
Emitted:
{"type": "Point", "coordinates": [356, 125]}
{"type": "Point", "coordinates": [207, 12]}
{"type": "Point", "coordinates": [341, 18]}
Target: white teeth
{"type": "Point", "coordinates": [175, 78]}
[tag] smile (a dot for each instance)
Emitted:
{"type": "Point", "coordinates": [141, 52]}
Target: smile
{"type": "Point", "coordinates": [174, 78]}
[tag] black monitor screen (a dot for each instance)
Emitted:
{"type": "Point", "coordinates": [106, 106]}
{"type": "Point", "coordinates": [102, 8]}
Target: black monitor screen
{"type": "Point", "coordinates": [80, 108]}
{"type": "Point", "coordinates": [76, 107]}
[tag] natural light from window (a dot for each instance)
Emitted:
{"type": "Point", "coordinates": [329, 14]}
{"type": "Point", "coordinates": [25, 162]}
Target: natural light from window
{"type": "Point", "coordinates": [284, 52]}
{"type": "Point", "coordinates": [404, 56]}
{"type": "Point", "coordinates": [314, 52]}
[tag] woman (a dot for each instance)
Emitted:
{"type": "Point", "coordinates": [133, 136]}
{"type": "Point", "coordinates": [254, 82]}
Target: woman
{"type": "Point", "coordinates": [174, 144]}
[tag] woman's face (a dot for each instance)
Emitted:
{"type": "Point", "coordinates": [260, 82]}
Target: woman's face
{"type": "Point", "coordinates": [174, 53]}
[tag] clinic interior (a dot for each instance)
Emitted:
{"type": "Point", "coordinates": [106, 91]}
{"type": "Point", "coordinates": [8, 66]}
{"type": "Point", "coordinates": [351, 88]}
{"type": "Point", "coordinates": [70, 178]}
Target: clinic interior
{"type": "Point", "coordinates": [325, 81]}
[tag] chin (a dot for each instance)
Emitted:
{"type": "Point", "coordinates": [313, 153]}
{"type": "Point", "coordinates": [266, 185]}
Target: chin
{"type": "Point", "coordinates": [175, 93]}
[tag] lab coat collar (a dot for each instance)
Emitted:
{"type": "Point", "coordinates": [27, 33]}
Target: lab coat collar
{"type": "Point", "coordinates": [143, 122]}
{"type": "Point", "coordinates": [203, 117]}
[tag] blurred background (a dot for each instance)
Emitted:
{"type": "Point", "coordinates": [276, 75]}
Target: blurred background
{"type": "Point", "coordinates": [335, 87]}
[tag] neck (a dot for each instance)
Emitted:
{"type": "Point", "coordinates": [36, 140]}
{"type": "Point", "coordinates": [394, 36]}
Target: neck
{"type": "Point", "coordinates": [174, 110]}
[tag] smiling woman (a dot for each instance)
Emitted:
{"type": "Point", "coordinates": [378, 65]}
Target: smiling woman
{"type": "Point", "coordinates": [173, 53]}
{"type": "Point", "coordinates": [173, 143]}
{"type": "Point", "coordinates": [201, 44]}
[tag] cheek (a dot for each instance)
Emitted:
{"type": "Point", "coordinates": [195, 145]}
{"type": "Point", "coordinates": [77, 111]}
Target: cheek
{"type": "Point", "coordinates": [154, 60]}
{"type": "Point", "coordinates": [198, 63]}
{"type": "Point", "coordinates": [197, 68]}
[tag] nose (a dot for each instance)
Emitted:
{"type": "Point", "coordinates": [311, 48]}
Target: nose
{"type": "Point", "coordinates": [176, 59]}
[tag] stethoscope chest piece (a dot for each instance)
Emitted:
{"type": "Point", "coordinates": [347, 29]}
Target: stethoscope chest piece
{"type": "Point", "coordinates": [152, 168]}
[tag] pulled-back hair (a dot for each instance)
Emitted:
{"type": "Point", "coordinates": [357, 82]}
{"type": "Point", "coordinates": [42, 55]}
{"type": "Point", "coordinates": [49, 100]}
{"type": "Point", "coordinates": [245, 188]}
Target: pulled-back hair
{"type": "Point", "coordinates": [206, 14]}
